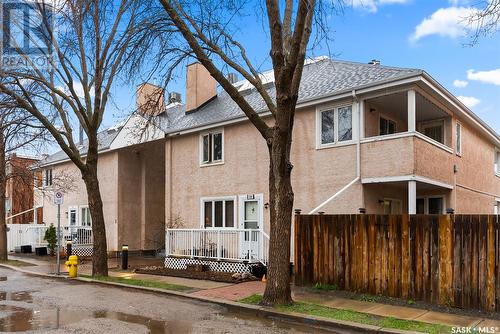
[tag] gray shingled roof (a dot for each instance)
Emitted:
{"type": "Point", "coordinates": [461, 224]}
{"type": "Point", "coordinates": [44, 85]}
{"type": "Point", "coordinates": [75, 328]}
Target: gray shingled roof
{"type": "Point", "coordinates": [319, 79]}
{"type": "Point", "coordinates": [104, 138]}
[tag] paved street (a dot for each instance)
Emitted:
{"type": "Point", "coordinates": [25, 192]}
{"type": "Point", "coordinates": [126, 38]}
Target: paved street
{"type": "Point", "coordinates": [30, 304]}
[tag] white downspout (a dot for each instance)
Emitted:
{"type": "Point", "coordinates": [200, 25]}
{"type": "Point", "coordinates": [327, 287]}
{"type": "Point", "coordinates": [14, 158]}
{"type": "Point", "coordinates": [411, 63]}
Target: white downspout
{"type": "Point", "coordinates": [358, 160]}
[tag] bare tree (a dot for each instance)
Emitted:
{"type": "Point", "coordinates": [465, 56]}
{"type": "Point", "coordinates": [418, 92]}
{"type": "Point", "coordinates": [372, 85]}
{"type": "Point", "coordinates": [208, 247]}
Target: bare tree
{"type": "Point", "coordinates": [205, 30]}
{"type": "Point", "coordinates": [93, 44]}
{"type": "Point", "coordinates": [485, 21]}
{"type": "Point", "coordinates": [18, 130]}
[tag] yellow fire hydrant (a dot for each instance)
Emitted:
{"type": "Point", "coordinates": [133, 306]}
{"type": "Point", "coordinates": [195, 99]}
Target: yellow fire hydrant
{"type": "Point", "coordinates": [72, 265]}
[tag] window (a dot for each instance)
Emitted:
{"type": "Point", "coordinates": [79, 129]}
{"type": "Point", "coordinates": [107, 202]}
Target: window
{"type": "Point", "coordinates": [496, 208]}
{"type": "Point", "coordinates": [387, 126]}
{"type": "Point", "coordinates": [335, 125]}
{"type": "Point", "coordinates": [497, 162]}
{"type": "Point", "coordinates": [430, 205]}
{"type": "Point", "coordinates": [85, 218]}
{"type": "Point", "coordinates": [7, 204]}
{"type": "Point", "coordinates": [392, 206]}
{"type": "Point", "coordinates": [47, 178]}
{"type": "Point", "coordinates": [434, 130]}
{"type": "Point", "coordinates": [458, 139]}
{"type": "Point", "coordinates": [218, 212]}
{"type": "Point", "coordinates": [73, 216]}
{"type": "Point", "coordinates": [212, 147]}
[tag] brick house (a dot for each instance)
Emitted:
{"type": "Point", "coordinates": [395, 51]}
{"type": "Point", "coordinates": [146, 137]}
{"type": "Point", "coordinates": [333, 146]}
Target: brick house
{"type": "Point", "coordinates": [19, 193]}
{"type": "Point", "coordinates": [390, 140]}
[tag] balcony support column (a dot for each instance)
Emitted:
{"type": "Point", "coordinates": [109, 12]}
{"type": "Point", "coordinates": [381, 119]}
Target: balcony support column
{"type": "Point", "coordinates": [411, 111]}
{"type": "Point", "coordinates": [412, 197]}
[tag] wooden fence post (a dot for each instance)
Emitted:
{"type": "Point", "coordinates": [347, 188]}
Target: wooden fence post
{"type": "Point", "coordinates": [446, 296]}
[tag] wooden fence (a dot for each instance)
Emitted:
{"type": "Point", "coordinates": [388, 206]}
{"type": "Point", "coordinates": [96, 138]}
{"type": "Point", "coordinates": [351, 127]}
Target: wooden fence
{"type": "Point", "coordinates": [443, 259]}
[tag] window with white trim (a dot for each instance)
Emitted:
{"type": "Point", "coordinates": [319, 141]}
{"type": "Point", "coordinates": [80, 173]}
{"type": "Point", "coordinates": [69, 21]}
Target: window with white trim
{"type": "Point", "coordinates": [458, 139]}
{"type": "Point", "coordinates": [497, 162]}
{"type": "Point", "coordinates": [335, 125]}
{"type": "Point", "coordinates": [386, 126]}
{"type": "Point", "coordinates": [496, 208]}
{"type": "Point", "coordinates": [219, 212]}
{"type": "Point", "coordinates": [212, 147]}
{"type": "Point", "coordinates": [85, 218]}
{"type": "Point", "coordinates": [433, 130]}
{"type": "Point", "coordinates": [47, 177]}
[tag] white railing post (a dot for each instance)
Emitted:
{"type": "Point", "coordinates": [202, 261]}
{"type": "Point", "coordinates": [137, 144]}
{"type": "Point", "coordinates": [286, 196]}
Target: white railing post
{"type": "Point", "coordinates": [167, 243]}
{"type": "Point", "coordinates": [218, 245]}
{"type": "Point", "coordinates": [261, 246]}
{"type": "Point", "coordinates": [192, 243]}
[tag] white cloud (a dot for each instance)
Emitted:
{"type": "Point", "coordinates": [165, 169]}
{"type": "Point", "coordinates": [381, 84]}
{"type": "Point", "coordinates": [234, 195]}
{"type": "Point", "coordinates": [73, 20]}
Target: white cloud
{"type": "Point", "coordinates": [469, 101]}
{"type": "Point", "coordinates": [446, 22]}
{"type": "Point", "coordinates": [460, 83]}
{"type": "Point", "coordinates": [372, 5]}
{"type": "Point", "coordinates": [491, 77]}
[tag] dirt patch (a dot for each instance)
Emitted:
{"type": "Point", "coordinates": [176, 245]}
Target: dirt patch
{"type": "Point", "coordinates": [205, 275]}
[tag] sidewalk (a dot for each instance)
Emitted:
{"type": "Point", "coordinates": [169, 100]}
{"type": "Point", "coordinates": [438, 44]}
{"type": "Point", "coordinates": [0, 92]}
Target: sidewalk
{"type": "Point", "coordinates": [234, 292]}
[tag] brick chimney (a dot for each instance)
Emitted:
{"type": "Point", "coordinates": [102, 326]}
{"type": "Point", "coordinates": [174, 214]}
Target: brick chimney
{"type": "Point", "coordinates": [200, 86]}
{"type": "Point", "coordinates": [150, 99]}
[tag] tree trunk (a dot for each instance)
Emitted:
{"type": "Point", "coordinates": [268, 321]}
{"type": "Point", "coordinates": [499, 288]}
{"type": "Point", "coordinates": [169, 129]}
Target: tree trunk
{"type": "Point", "coordinates": [281, 197]}
{"type": "Point", "coordinates": [100, 249]}
{"type": "Point", "coordinates": [3, 189]}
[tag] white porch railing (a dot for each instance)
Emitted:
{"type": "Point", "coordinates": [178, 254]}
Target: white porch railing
{"type": "Point", "coordinates": [33, 234]}
{"type": "Point", "coordinates": [220, 244]}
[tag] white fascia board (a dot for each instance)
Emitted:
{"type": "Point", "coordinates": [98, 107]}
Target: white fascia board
{"type": "Point", "coordinates": [405, 178]}
{"type": "Point", "coordinates": [458, 105]}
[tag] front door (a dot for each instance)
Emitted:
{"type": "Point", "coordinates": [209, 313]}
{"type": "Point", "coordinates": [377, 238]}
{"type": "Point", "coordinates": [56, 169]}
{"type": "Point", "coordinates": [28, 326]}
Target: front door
{"type": "Point", "coordinates": [250, 219]}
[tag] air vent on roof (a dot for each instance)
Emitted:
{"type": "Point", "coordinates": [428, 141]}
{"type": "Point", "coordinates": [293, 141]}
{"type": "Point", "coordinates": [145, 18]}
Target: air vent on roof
{"type": "Point", "coordinates": [374, 62]}
{"type": "Point", "coordinates": [174, 97]}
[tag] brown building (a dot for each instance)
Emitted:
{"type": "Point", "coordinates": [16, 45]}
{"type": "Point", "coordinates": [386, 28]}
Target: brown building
{"type": "Point", "coordinates": [19, 192]}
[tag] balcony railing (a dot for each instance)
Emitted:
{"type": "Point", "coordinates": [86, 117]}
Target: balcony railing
{"type": "Point", "coordinates": [220, 244]}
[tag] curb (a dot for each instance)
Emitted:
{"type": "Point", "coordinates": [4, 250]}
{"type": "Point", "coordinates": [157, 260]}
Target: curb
{"type": "Point", "coordinates": [236, 307]}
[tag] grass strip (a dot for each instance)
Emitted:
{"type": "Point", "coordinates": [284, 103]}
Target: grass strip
{"type": "Point", "coordinates": [353, 316]}
{"type": "Point", "coordinates": [139, 282]}
{"type": "Point", "coordinates": [17, 263]}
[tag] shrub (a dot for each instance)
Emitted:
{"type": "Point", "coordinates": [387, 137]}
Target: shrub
{"type": "Point", "coordinates": [51, 238]}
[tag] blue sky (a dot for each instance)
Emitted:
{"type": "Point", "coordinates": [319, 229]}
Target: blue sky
{"type": "Point", "coordinates": [408, 33]}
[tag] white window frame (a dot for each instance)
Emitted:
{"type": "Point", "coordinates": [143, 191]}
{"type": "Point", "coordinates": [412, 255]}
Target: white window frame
{"type": "Point", "coordinates": [496, 207]}
{"type": "Point", "coordinates": [80, 217]}
{"type": "Point", "coordinates": [203, 200]}
{"type": "Point", "coordinates": [212, 162]}
{"type": "Point", "coordinates": [496, 162]}
{"type": "Point", "coordinates": [46, 179]}
{"type": "Point", "coordinates": [77, 220]}
{"type": "Point", "coordinates": [387, 118]}
{"type": "Point", "coordinates": [426, 202]}
{"type": "Point", "coordinates": [432, 123]}
{"type": "Point", "coordinates": [458, 139]}
{"type": "Point", "coordinates": [335, 108]}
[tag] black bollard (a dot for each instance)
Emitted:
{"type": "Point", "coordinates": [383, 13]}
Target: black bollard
{"type": "Point", "coordinates": [68, 249]}
{"type": "Point", "coordinates": [124, 257]}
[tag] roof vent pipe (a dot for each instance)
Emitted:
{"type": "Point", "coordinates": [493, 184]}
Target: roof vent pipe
{"type": "Point", "coordinates": [174, 97]}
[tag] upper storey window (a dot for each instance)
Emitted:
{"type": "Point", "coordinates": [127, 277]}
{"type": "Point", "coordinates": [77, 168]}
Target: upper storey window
{"type": "Point", "coordinates": [335, 125]}
{"type": "Point", "coordinates": [212, 147]}
{"type": "Point", "coordinates": [47, 177]}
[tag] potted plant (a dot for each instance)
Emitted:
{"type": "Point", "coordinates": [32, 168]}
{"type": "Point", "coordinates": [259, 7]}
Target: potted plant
{"type": "Point", "coordinates": [51, 238]}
